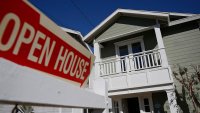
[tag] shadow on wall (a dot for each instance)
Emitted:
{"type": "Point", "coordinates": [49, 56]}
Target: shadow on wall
{"type": "Point", "coordinates": [160, 102]}
{"type": "Point", "coordinates": [181, 101]}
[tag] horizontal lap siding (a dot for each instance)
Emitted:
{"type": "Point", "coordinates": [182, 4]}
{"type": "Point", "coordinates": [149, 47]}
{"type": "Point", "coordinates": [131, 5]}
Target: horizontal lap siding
{"type": "Point", "coordinates": [117, 29]}
{"type": "Point", "coordinates": [182, 45]}
{"type": "Point", "coordinates": [125, 25]}
{"type": "Point", "coordinates": [183, 48]}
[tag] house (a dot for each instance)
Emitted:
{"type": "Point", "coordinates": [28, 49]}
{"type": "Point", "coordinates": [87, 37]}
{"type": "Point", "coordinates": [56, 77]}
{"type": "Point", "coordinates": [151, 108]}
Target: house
{"type": "Point", "coordinates": [135, 54]}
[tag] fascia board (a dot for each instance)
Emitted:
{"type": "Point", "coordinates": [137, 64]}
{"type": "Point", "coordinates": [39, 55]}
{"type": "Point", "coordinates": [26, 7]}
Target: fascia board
{"type": "Point", "coordinates": [180, 21]}
{"type": "Point", "coordinates": [123, 11]}
{"type": "Point", "coordinates": [100, 25]}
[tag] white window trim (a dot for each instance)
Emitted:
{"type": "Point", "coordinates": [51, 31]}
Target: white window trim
{"type": "Point", "coordinates": [129, 42]}
{"type": "Point", "coordinates": [141, 102]}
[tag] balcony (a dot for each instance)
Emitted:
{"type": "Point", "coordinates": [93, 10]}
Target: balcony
{"type": "Point", "coordinates": [135, 70]}
{"type": "Point", "coordinates": [133, 62]}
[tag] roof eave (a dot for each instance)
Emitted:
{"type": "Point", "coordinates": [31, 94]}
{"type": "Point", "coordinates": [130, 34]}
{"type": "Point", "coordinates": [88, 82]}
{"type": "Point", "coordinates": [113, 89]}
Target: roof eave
{"type": "Point", "coordinates": [188, 19]}
{"type": "Point", "coordinates": [147, 14]}
{"type": "Point", "coordinates": [72, 31]}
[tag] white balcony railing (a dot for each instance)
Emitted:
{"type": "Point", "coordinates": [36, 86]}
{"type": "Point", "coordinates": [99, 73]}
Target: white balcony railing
{"type": "Point", "coordinates": [129, 63]}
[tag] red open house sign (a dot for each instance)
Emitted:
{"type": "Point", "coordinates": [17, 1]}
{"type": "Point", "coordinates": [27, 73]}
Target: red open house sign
{"type": "Point", "coordinates": [29, 38]}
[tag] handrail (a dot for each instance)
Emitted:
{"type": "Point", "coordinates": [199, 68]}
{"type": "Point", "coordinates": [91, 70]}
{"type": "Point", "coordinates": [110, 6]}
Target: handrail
{"type": "Point", "coordinates": [133, 62]}
{"type": "Point", "coordinates": [139, 53]}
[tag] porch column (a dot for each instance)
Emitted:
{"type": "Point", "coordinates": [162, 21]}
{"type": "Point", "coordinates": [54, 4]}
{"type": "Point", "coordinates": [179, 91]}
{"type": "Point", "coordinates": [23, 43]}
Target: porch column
{"type": "Point", "coordinates": [59, 110]}
{"type": "Point", "coordinates": [172, 101]}
{"type": "Point", "coordinates": [120, 105]}
{"type": "Point", "coordinates": [97, 53]}
{"type": "Point", "coordinates": [161, 46]}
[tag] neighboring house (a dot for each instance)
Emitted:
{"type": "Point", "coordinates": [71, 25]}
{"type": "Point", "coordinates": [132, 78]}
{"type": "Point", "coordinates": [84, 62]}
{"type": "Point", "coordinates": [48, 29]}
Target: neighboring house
{"type": "Point", "coordinates": [135, 54]}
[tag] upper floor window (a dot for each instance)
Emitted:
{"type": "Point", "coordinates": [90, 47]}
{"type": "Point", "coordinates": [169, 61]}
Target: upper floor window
{"type": "Point", "coordinates": [130, 46]}
{"type": "Point", "coordinates": [123, 50]}
{"type": "Point", "coordinates": [136, 47]}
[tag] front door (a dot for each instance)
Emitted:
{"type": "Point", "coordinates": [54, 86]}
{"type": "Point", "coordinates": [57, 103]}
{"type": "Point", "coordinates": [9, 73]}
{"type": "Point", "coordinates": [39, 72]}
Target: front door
{"type": "Point", "coordinates": [137, 104]}
{"type": "Point", "coordinates": [133, 105]}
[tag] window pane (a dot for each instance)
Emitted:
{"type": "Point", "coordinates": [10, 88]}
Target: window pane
{"type": "Point", "coordinates": [146, 101]}
{"type": "Point", "coordinates": [123, 50]}
{"type": "Point", "coordinates": [136, 47]}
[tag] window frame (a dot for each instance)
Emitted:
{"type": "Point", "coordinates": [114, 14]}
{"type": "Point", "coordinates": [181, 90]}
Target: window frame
{"type": "Point", "coordinates": [148, 105]}
{"type": "Point", "coordinates": [129, 43]}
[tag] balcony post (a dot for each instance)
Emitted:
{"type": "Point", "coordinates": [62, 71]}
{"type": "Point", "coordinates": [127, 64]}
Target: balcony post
{"type": "Point", "coordinates": [161, 46]}
{"type": "Point", "coordinates": [127, 66]}
{"type": "Point", "coordinates": [97, 53]}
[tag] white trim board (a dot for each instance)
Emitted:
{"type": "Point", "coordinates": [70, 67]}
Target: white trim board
{"type": "Point", "coordinates": [71, 31]}
{"type": "Point", "coordinates": [180, 21]}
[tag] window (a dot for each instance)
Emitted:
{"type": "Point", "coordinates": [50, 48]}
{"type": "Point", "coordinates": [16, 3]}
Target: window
{"type": "Point", "coordinates": [130, 47]}
{"type": "Point", "coordinates": [123, 50]}
{"type": "Point", "coordinates": [146, 105]}
{"type": "Point", "coordinates": [136, 47]}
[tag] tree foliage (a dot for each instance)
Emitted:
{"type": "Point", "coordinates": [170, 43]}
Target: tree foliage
{"type": "Point", "coordinates": [190, 81]}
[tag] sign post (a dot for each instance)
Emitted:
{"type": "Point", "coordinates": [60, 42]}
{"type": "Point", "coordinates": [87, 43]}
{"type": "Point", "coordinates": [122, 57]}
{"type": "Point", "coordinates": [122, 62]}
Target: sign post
{"type": "Point", "coordinates": [40, 63]}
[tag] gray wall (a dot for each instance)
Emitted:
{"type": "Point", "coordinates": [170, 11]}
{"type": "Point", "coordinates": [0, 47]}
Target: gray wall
{"type": "Point", "coordinates": [149, 42]}
{"type": "Point", "coordinates": [182, 43]}
{"type": "Point", "coordinates": [125, 25]}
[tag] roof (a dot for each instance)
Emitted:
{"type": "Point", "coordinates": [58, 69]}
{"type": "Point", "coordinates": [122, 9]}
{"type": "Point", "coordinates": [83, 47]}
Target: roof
{"type": "Point", "coordinates": [164, 16]}
{"type": "Point", "coordinates": [77, 36]}
{"type": "Point", "coordinates": [187, 19]}
{"type": "Point", "coordinates": [71, 31]}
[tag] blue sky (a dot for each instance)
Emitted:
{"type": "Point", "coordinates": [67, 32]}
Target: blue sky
{"type": "Point", "coordinates": [84, 15]}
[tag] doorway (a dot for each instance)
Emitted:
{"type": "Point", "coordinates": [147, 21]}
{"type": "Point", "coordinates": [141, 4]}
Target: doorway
{"type": "Point", "coordinates": [133, 105]}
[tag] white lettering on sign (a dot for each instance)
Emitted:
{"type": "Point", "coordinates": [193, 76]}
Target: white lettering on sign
{"type": "Point", "coordinates": [38, 46]}
{"type": "Point", "coordinates": [9, 17]}
{"type": "Point", "coordinates": [70, 63]}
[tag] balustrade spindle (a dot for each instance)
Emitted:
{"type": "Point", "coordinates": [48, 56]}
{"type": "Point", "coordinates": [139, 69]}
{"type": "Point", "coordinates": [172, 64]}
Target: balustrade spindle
{"type": "Point", "coordinates": [134, 62]}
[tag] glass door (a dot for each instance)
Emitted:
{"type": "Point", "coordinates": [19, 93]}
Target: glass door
{"type": "Point", "coordinates": [123, 51]}
{"type": "Point", "coordinates": [137, 58]}
{"type": "Point", "coordinates": [136, 47]}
